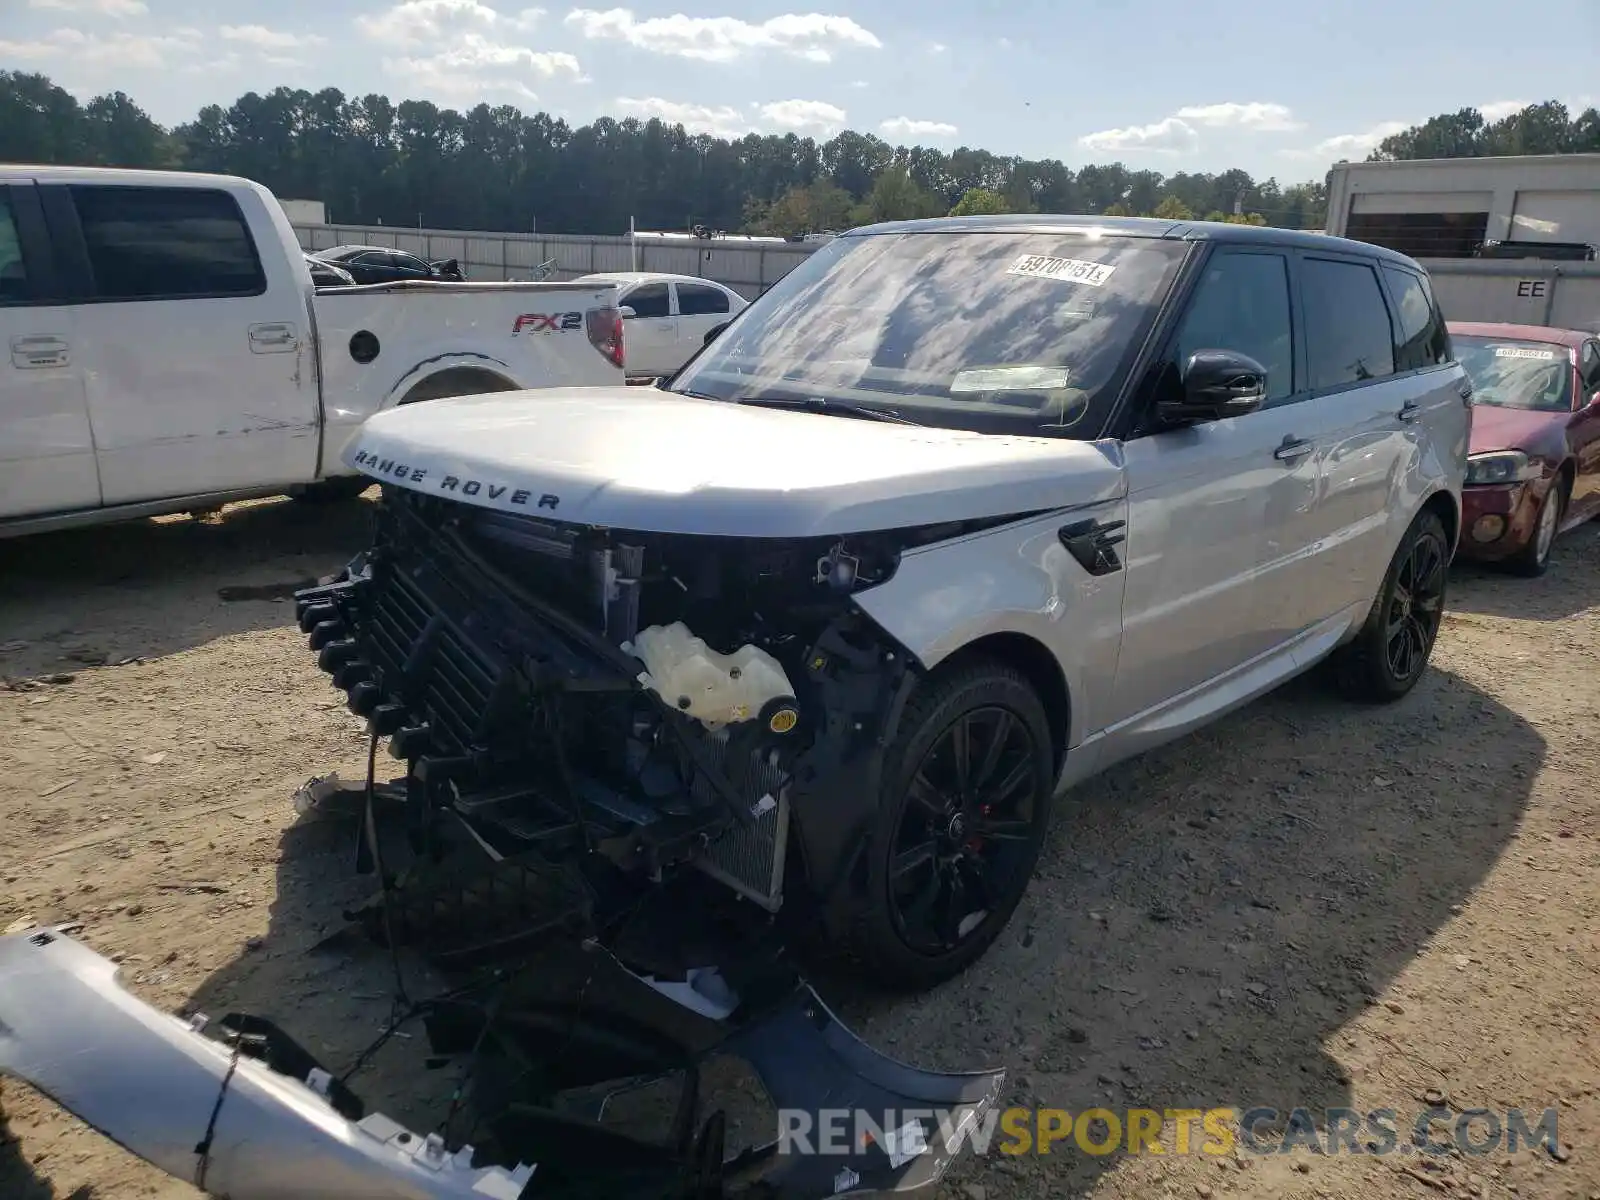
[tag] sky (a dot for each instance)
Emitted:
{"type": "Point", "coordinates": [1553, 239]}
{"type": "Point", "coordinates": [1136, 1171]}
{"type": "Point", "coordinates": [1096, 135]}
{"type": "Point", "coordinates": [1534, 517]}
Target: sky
{"type": "Point", "coordinates": [1192, 86]}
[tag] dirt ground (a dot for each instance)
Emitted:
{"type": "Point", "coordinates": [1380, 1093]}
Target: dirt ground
{"type": "Point", "coordinates": [1307, 905]}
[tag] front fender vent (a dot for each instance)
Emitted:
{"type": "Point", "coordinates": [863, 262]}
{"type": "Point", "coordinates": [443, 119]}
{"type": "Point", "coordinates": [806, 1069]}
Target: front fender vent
{"type": "Point", "coordinates": [1093, 544]}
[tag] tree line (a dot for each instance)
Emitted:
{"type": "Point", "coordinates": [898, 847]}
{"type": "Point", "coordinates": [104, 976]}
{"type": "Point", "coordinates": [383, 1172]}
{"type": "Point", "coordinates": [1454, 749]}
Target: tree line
{"type": "Point", "coordinates": [371, 160]}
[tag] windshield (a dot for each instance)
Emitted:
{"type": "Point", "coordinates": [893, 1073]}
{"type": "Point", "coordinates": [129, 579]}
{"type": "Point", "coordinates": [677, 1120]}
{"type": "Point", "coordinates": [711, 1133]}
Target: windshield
{"type": "Point", "coordinates": [1027, 333]}
{"type": "Point", "coordinates": [1509, 373]}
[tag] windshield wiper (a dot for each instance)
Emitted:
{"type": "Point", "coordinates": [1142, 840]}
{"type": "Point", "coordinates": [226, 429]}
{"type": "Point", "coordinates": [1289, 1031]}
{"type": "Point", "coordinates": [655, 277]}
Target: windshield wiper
{"type": "Point", "coordinates": [822, 404]}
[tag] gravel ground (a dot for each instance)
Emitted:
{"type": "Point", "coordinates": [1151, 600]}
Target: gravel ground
{"type": "Point", "coordinates": [1306, 905]}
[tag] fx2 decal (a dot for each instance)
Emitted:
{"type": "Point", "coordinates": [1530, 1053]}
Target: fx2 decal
{"type": "Point", "coordinates": [547, 322]}
{"type": "Point", "coordinates": [394, 469]}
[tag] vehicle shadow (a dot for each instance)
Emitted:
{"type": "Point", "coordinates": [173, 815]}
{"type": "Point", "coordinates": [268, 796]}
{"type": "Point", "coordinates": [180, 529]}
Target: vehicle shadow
{"type": "Point", "coordinates": [1203, 923]}
{"type": "Point", "coordinates": [18, 1178]}
{"type": "Point", "coordinates": [1206, 919]}
{"type": "Point", "coordinates": [1563, 591]}
{"type": "Point", "coordinates": [151, 588]}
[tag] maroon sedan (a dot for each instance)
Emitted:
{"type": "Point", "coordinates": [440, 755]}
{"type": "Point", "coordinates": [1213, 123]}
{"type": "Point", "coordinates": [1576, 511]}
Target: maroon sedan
{"type": "Point", "coordinates": [1534, 465]}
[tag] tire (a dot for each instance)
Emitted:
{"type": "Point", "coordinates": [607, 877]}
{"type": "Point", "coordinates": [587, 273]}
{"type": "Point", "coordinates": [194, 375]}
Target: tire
{"type": "Point", "coordinates": [1534, 558]}
{"type": "Point", "coordinates": [1365, 669]}
{"type": "Point", "coordinates": [906, 930]}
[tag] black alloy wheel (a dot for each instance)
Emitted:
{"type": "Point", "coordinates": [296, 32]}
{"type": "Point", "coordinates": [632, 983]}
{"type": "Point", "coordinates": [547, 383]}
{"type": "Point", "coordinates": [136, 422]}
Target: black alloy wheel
{"type": "Point", "coordinates": [964, 808]}
{"type": "Point", "coordinates": [963, 834]}
{"type": "Point", "coordinates": [1387, 657]}
{"type": "Point", "coordinates": [1416, 606]}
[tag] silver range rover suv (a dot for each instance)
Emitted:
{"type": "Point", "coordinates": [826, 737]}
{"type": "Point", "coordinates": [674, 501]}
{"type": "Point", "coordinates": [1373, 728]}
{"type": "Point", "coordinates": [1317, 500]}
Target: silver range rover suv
{"type": "Point", "coordinates": [958, 514]}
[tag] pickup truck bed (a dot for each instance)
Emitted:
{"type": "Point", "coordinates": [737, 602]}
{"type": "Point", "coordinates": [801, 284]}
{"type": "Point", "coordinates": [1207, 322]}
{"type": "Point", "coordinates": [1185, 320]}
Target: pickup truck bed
{"type": "Point", "coordinates": [168, 350]}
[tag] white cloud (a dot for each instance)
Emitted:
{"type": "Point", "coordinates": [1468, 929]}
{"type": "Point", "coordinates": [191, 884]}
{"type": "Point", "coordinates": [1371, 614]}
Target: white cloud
{"type": "Point", "coordinates": [263, 38]}
{"type": "Point", "coordinates": [1500, 109]}
{"type": "Point", "coordinates": [422, 23]}
{"type": "Point", "coordinates": [122, 50]}
{"type": "Point", "coordinates": [724, 122]}
{"type": "Point", "coordinates": [938, 48]}
{"type": "Point", "coordinates": [1357, 145]}
{"type": "Point", "coordinates": [910, 127]}
{"type": "Point", "coordinates": [1004, 43]}
{"type": "Point", "coordinates": [1264, 118]}
{"type": "Point", "coordinates": [809, 116]}
{"type": "Point", "coordinates": [1170, 136]}
{"type": "Point", "coordinates": [811, 36]}
{"type": "Point", "coordinates": [103, 8]}
{"type": "Point", "coordinates": [463, 49]}
{"type": "Point", "coordinates": [475, 64]}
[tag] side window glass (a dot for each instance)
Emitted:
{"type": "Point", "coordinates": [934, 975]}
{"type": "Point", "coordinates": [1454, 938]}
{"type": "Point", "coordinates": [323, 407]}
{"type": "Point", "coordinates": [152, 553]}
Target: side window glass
{"type": "Point", "coordinates": [1349, 336]}
{"type": "Point", "coordinates": [14, 287]}
{"type": "Point", "coordinates": [649, 300]}
{"type": "Point", "coordinates": [696, 300]}
{"type": "Point", "coordinates": [1242, 304]}
{"type": "Point", "coordinates": [167, 243]}
{"type": "Point", "coordinates": [1417, 342]}
{"type": "Point", "coordinates": [408, 262]}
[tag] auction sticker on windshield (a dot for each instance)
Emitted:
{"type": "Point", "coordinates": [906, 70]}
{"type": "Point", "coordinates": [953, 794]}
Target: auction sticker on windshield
{"type": "Point", "coordinates": [1520, 352]}
{"type": "Point", "coordinates": [1068, 270]}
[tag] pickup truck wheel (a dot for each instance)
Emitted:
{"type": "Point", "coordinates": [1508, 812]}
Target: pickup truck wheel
{"type": "Point", "coordinates": [963, 813]}
{"type": "Point", "coordinates": [1390, 653]}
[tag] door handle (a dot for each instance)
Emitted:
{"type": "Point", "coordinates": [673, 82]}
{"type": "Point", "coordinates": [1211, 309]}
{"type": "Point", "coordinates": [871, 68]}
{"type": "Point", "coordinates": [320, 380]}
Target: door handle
{"type": "Point", "coordinates": [1410, 410]}
{"type": "Point", "coordinates": [40, 353]}
{"type": "Point", "coordinates": [274, 338]}
{"type": "Point", "coordinates": [1293, 449]}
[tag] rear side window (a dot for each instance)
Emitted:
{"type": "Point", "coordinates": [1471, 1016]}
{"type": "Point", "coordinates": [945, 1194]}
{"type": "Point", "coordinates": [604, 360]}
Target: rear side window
{"type": "Point", "coordinates": [167, 243]}
{"type": "Point", "coordinates": [14, 286]}
{"type": "Point", "coordinates": [698, 300]}
{"type": "Point", "coordinates": [649, 301]}
{"type": "Point", "coordinates": [1349, 337]}
{"type": "Point", "coordinates": [1419, 337]}
{"type": "Point", "coordinates": [1242, 304]}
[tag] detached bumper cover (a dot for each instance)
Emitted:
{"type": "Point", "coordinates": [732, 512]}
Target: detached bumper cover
{"type": "Point", "coordinates": [156, 1086]}
{"type": "Point", "coordinates": [236, 1127]}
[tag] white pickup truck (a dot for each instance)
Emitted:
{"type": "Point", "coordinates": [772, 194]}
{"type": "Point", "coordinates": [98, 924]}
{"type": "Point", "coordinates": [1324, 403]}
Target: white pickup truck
{"type": "Point", "coordinates": [167, 351]}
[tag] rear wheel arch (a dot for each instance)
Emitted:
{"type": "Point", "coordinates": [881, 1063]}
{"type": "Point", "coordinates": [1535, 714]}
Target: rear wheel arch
{"type": "Point", "coordinates": [1443, 506]}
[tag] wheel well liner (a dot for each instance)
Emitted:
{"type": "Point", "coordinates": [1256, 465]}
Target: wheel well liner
{"type": "Point", "coordinates": [1031, 659]}
{"type": "Point", "coordinates": [458, 381]}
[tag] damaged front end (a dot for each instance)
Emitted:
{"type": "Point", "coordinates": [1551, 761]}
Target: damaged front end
{"type": "Point", "coordinates": [630, 758]}
{"type": "Point", "coordinates": [637, 704]}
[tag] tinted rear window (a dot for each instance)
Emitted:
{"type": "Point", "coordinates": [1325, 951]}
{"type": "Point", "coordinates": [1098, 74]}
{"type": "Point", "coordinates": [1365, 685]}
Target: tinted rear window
{"type": "Point", "coordinates": [167, 243]}
{"type": "Point", "coordinates": [1349, 336]}
{"type": "Point", "coordinates": [999, 332]}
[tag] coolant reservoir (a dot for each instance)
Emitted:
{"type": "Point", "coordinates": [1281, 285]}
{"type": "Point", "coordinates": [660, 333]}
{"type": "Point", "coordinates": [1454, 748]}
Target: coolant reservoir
{"type": "Point", "coordinates": [716, 689]}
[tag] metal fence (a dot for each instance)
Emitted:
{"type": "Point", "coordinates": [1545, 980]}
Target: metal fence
{"type": "Point", "coordinates": [747, 269]}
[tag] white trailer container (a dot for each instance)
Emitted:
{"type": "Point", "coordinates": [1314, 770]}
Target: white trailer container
{"type": "Point", "coordinates": [1444, 212]}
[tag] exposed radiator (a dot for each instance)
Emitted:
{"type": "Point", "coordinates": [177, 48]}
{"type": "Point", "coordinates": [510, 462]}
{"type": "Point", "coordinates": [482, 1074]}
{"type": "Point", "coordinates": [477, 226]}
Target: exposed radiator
{"type": "Point", "coordinates": [750, 859]}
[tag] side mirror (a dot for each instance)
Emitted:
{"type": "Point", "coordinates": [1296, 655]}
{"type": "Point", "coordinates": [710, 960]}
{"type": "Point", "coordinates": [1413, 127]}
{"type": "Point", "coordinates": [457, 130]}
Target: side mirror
{"type": "Point", "coordinates": [1216, 384]}
{"type": "Point", "coordinates": [626, 313]}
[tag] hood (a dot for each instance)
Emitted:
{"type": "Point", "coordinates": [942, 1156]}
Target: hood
{"type": "Point", "coordinates": [1495, 428]}
{"type": "Point", "coordinates": [641, 458]}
